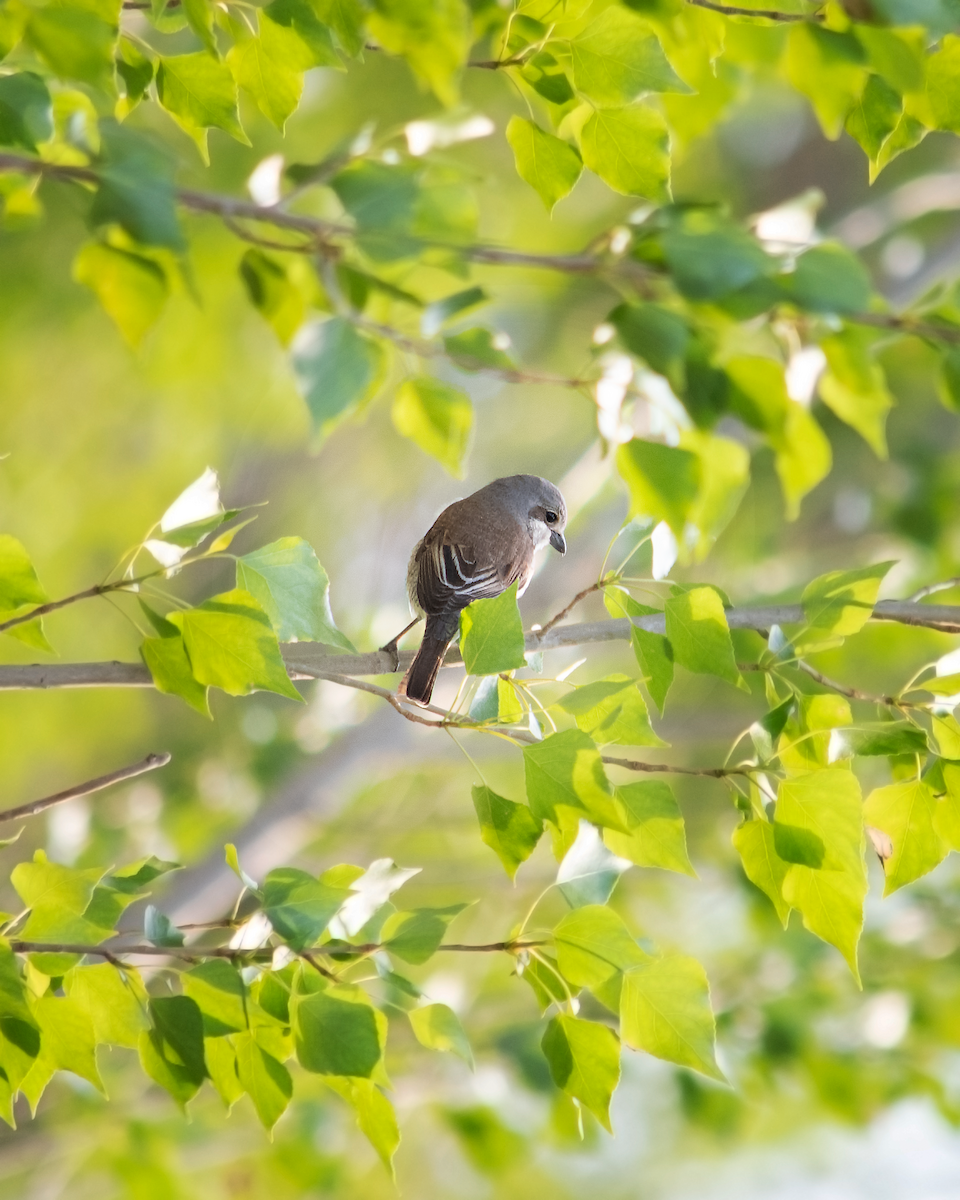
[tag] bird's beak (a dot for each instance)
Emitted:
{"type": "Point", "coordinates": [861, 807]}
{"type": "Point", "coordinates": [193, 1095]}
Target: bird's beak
{"type": "Point", "coordinates": [558, 542]}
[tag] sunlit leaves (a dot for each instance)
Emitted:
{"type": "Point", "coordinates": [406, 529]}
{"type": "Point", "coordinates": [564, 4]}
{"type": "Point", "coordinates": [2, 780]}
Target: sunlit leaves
{"type": "Point", "coordinates": [273, 293]}
{"type": "Point", "coordinates": [629, 149]}
{"type": "Point", "coordinates": [829, 68]}
{"type": "Point", "coordinates": [854, 386]}
{"type": "Point", "coordinates": [612, 712]}
{"type": "Point", "coordinates": [819, 832]}
{"type": "Point", "coordinates": [698, 632]}
{"type": "Point", "coordinates": [231, 645]}
{"type": "Point", "coordinates": [375, 1116]}
{"type": "Point", "coordinates": [172, 673]}
{"type": "Point", "coordinates": [432, 35]}
{"type": "Point", "coordinates": [593, 945]}
{"type": "Point", "coordinates": [336, 368]}
{"type": "Point", "coordinates": [437, 1027]}
{"type": "Point", "coordinates": [131, 287]}
{"type": "Point", "coordinates": [906, 812]}
{"type": "Point", "coordinates": [509, 829]}
{"type": "Point", "coordinates": [656, 835]}
{"type": "Point", "coordinates": [437, 417]}
{"type": "Point", "coordinates": [754, 841]}
{"type": "Point", "coordinates": [840, 603]}
{"type": "Point", "coordinates": [115, 1002]}
{"type": "Point", "coordinates": [665, 1010]}
{"type": "Point", "coordinates": [20, 590]}
{"type": "Point", "coordinates": [617, 58]}
{"type": "Point", "coordinates": [199, 93]}
{"type": "Point", "coordinates": [337, 1031]}
{"type": "Point", "coordinates": [564, 772]}
{"type": "Point", "coordinates": [74, 42]}
{"type": "Point", "coordinates": [663, 481]}
{"type": "Point", "coordinates": [171, 1051]}
{"type": "Point", "coordinates": [584, 1059]}
{"type": "Point", "coordinates": [550, 165]}
{"type": "Point", "coordinates": [136, 188]}
{"type": "Point", "coordinates": [288, 582]}
{"type": "Point", "coordinates": [414, 935]}
{"type": "Point", "coordinates": [491, 634]}
{"type": "Point", "coordinates": [265, 1080]}
{"type": "Point", "coordinates": [298, 905]}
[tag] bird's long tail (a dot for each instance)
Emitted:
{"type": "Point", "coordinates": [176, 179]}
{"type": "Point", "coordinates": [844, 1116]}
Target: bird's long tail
{"type": "Point", "coordinates": [417, 685]}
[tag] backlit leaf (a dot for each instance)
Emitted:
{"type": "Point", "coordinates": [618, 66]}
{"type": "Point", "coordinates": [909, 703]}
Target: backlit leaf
{"type": "Point", "coordinates": [550, 165]}
{"type": "Point", "coordinates": [491, 635]}
{"type": "Point", "coordinates": [629, 149]}
{"type": "Point", "coordinates": [436, 417]}
{"type": "Point", "coordinates": [906, 812]}
{"type": "Point", "coordinates": [584, 1059]}
{"type": "Point", "coordinates": [665, 1010]}
{"type": "Point", "coordinates": [508, 828]}
{"type": "Point", "coordinates": [288, 582]}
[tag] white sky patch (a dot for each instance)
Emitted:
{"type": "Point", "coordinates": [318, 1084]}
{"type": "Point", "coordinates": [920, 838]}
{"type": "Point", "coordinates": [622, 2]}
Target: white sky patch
{"type": "Point", "coordinates": [264, 182]}
{"type": "Point", "coordinates": [885, 1019]}
{"type": "Point", "coordinates": [803, 373]}
{"type": "Point", "coordinates": [611, 390]}
{"type": "Point", "coordinates": [603, 333]}
{"type": "Point", "coordinates": [791, 225]}
{"type": "Point", "coordinates": [423, 136]}
{"type": "Point", "coordinates": [372, 890]}
{"type": "Point", "coordinates": [665, 550]}
{"type": "Point", "coordinates": [446, 988]}
{"type": "Point", "coordinates": [252, 934]}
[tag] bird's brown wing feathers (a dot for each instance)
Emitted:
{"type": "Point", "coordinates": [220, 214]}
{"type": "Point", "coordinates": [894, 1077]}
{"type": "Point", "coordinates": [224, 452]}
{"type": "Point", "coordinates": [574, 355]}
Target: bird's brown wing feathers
{"type": "Point", "coordinates": [450, 576]}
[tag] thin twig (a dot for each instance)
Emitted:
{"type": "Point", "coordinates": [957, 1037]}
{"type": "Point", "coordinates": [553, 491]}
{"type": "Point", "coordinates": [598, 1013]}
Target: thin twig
{"type": "Point", "coordinates": [729, 10]}
{"type": "Point", "coordinates": [943, 586]}
{"type": "Point", "coordinates": [150, 763]}
{"type": "Point", "coordinates": [100, 589]}
{"type": "Point", "coordinates": [851, 693]}
{"type": "Point", "coordinates": [587, 591]}
{"type": "Point", "coordinates": [264, 954]}
{"type": "Point", "coordinates": [666, 769]}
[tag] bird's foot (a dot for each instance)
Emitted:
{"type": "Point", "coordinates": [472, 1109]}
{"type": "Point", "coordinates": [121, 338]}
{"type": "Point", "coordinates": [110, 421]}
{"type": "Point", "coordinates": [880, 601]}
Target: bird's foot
{"type": "Point", "coordinates": [392, 647]}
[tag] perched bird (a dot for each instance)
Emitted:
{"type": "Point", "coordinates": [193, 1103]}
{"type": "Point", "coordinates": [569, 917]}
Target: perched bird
{"type": "Point", "coordinates": [476, 549]}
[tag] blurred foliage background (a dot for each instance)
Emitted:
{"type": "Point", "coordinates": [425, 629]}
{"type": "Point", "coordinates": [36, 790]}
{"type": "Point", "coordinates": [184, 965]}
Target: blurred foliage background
{"type": "Point", "coordinates": [835, 1091]}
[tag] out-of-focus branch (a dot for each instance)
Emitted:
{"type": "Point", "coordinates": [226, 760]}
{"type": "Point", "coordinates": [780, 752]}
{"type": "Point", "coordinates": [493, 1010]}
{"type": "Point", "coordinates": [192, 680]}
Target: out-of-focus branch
{"type": "Point", "coordinates": [112, 953]}
{"type": "Point", "coordinates": [150, 763]}
{"type": "Point", "coordinates": [730, 10]}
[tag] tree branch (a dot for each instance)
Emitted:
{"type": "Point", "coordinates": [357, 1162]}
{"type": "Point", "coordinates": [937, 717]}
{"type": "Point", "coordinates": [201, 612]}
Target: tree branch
{"type": "Point", "coordinates": [265, 954]}
{"type": "Point", "coordinates": [150, 763]}
{"type": "Point", "coordinates": [632, 764]}
{"type": "Point", "coordinates": [309, 661]}
{"type": "Point", "coordinates": [729, 10]}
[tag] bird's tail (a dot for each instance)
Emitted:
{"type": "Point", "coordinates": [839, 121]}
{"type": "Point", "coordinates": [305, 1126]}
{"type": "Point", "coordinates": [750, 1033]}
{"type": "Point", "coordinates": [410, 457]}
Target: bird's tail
{"type": "Point", "coordinates": [417, 684]}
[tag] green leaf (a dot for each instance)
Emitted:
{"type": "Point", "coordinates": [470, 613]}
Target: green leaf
{"type": "Point", "coordinates": [172, 1051]}
{"type": "Point", "coordinates": [657, 837]}
{"type": "Point", "coordinates": [337, 1031]}
{"type": "Point", "coordinates": [58, 898]}
{"type": "Point", "coordinates": [265, 1080]}
{"type": "Point", "coordinates": [854, 386]}
{"type": "Point", "coordinates": [617, 59]}
{"type": "Point", "coordinates": [272, 293]}
{"type": "Point", "coordinates": [655, 658]}
{"type": "Point", "coordinates": [906, 813]}
{"type": "Point", "coordinates": [220, 994]}
{"type": "Point", "coordinates": [491, 635]}
{"type": "Point", "coordinates": [432, 35]}
{"type": "Point", "coordinates": [840, 603]}
{"type": "Point", "coordinates": [887, 738]}
{"type": "Point", "coordinates": [509, 829]}
{"type": "Point", "coordinates": [550, 165]}
{"type": "Point", "coordinates": [699, 634]}
{"type": "Point", "coordinates": [336, 368]}
{"type": "Point", "coordinates": [937, 105]}
{"type": "Point", "coordinates": [297, 30]}
{"type": "Point", "coordinates": [542, 973]}
{"type": "Point", "coordinates": [231, 645]}
{"type": "Point", "coordinates": [375, 1116]}
{"type": "Point", "coordinates": [199, 14]}
{"type": "Point", "coordinates": [437, 314]}
{"type": "Point", "coordinates": [267, 65]}
{"type": "Point", "coordinates": [656, 334]}
{"type": "Point", "coordinates": [115, 1001]}
{"type": "Point", "coordinates": [438, 1028]}
{"type": "Point", "coordinates": [20, 589]}
{"type": "Point", "coordinates": [827, 67]}
{"type": "Point", "coordinates": [415, 935]}
{"type": "Point", "coordinates": [822, 810]}
{"type": "Point", "coordinates": [436, 417]}
{"type": "Point", "coordinates": [75, 44]}
{"type": "Point", "coordinates": [593, 945]}
{"type": "Point", "coordinates": [663, 481]}
{"type": "Point", "coordinates": [221, 1060]}
{"type": "Point", "coordinates": [754, 842]}
{"type": "Point", "coordinates": [612, 712]}
{"type": "Point", "coordinates": [345, 18]}
{"type": "Point", "coordinates": [829, 278]}
{"type": "Point", "coordinates": [26, 110]}
{"type": "Point", "coordinates": [199, 93]}
{"type": "Point", "coordinates": [488, 1144]}
{"type": "Point", "coordinates": [288, 582]}
{"type": "Point", "coordinates": [710, 257]}
{"type": "Point", "coordinates": [665, 1010]}
{"type": "Point", "coordinates": [873, 118]}
{"type": "Point", "coordinates": [629, 149]}
{"type": "Point", "coordinates": [136, 188]}
{"type": "Point", "coordinates": [67, 1043]}
{"type": "Point", "coordinates": [584, 1060]}
{"type": "Point", "coordinates": [159, 929]}
{"type": "Point", "coordinates": [565, 771]}
{"type": "Point", "coordinates": [298, 906]}
{"type": "Point", "coordinates": [476, 348]}
{"type": "Point", "coordinates": [136, 71]}
{"type": "Point", "coordinates": [166, 660]}
{"type": "Point", "coordinates": [132, 289]}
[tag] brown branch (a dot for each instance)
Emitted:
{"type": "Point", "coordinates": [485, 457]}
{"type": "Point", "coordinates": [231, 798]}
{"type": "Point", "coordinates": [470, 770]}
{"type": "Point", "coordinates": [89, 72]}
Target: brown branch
{"type": "Point", "coordinates": [852, 693]}
{"type": "Point", "coordinates": [907, 324]}
{"type": "Point", "coordinates": [665, 769]}
{"type": "Point", "coordinates": [729, 10]}
{"type": "Point", "coordinates": [265, 954]}
{"type": "Point", "coordinates": [150, 763]}
{"type": "Point", "coordinates": [100, 589]}
{"type": "Point", "coordinates": [565, 612]}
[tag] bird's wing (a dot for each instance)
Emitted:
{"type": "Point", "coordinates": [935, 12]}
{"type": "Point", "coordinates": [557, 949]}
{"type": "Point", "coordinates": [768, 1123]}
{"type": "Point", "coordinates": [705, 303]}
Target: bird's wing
{"type": "Point", "coordinates": [450, 576]}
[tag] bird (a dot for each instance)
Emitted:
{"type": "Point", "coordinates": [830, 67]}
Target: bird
{"type": "Point", "coordinates": [476, 549]}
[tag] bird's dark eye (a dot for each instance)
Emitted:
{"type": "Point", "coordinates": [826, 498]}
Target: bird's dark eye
{"type": "Point", "coordinates": [551, 517]}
